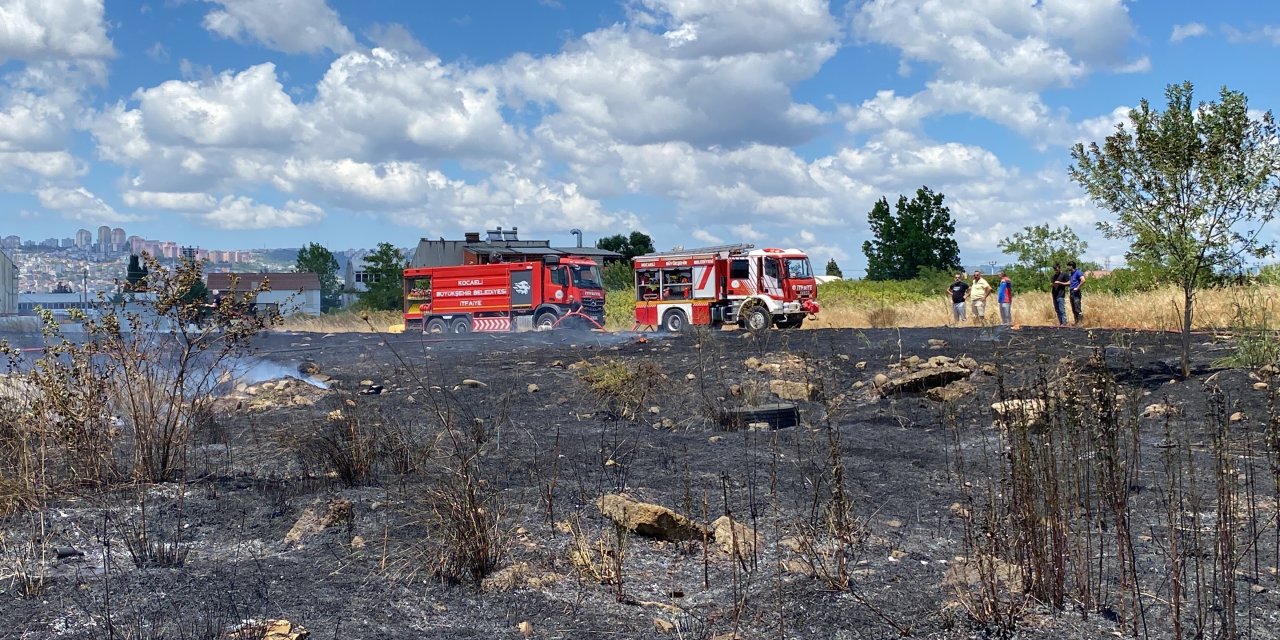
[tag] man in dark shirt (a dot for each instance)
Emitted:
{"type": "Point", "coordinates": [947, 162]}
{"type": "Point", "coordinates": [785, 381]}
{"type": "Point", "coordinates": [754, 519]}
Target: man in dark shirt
{"type": "Point", "coordinates": [1059, 291]}
{"type": "Point", "coordinates": [959, 291]}
{"type": "Point", "coordinates": [1074, 282]}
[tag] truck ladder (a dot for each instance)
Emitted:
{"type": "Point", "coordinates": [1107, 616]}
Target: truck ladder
{"type": "Point", "coordinates": [717, 249]}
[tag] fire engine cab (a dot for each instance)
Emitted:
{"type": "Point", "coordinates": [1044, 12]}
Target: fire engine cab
{"type": "Point", "coordinates": [502, 296]}
{"type": "Point", "coordinates": [754, 288]}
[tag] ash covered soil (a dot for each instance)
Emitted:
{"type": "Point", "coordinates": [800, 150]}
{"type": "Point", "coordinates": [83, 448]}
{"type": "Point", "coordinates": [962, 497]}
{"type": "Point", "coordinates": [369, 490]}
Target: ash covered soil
{"type": "Point", "coordinates": [320, 505]}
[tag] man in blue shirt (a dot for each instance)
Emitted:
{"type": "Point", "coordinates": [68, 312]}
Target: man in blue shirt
{"type": "Point", "coordinates": [1074, 284]}
{"type": "Point", "coordinates": [1004, 296]}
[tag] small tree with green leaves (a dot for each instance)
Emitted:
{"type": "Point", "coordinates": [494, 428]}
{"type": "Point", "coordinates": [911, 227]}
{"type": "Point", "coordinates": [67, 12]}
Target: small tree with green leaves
{"type": "Point", "coordinates": [316, 259]}
{"type": "Point", "coordinates": [629, 246]}
{"type": "Point", "coordinates": [919, 234]}
{"type": "Point", "coordinates": [833, 269]}
{"type": "Point", "coordinates": [384, 279]}
{"type": "Point", "coordinates": [1039, 246]}
{"type": "Point", "coordinates": [1191, 187]}
{"type": "Point", "coordinates": [618, 276]}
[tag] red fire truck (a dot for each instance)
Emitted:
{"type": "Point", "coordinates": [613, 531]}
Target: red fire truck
{"type": "Point", "coordinates": [754, 288]}
{"type": "Point", "coordinates": [502, 296]}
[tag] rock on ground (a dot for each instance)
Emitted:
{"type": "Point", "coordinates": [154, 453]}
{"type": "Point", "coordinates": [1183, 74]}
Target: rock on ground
{"type": "Point", "coordinates": [651, 520]}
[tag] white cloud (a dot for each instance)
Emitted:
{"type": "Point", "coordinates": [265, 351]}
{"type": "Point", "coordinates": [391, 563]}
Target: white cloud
{"type": "Point", "coordinates": [1002, 42]}
{"type": "Point", "coordinates": [80, 204]}
{"type": "Point", "coordinates": [1141, 65]}
{"type": "Point", "coordinates": [727, 83]}
{"type": "Point", "coordinates": [240, 213]}
{"type": "Point", "coordinates": [702, 235]}
{"type": "Point", "coordinates": [289, 26]}
{"type": "Point", "coordinates": [388, 104]}
{"type": "Point", "coordinates": [1185, 31]}
{"type": "Point", "coordinates": [53, 29]}
{"type": "Point", "coordinates": [247, 109]}
{"type": "Point", "coordinates": [174, 201]}
{"type": "Point", "coordinates": [1269, 34]}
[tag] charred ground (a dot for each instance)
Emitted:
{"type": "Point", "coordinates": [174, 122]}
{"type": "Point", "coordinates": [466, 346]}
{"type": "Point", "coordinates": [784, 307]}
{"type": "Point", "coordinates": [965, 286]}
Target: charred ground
{"type": "Point", "coordinates": [892, 509]}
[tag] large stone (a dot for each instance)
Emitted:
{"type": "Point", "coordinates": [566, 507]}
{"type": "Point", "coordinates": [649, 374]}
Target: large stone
{"type": "Point", "coordinates": [650, 520]}
{"type": "Point", "coordinates": [284, 630]}
{"type": "Point", "coordinates": [953, 392]}
{"type": "Point", "coordinates": [795, 391]}
{"type": "Point", "coordinates": [316, 518]}
{"type": "Point", "coordinates": [308, 368]}
{"type": "Point", "coordinates": [1018, 412]}
{"type": "Point", "coordinates": [732, 535]}
{"type": "Point", "coordinates": [924, 379]}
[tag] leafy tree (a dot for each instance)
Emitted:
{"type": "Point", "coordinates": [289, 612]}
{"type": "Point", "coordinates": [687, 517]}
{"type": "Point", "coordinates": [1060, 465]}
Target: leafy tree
{"type": "Point", "coordinates": [135, 275]}
{"type": "Point", "coordinates": [833, 269]}
{"type": "Point", "coordinates": [636, 244]}
{"type": "Point", "coordinates": [618, 276]}
{"type": "Point", "coordinates": [384, 268]}
{"type": "Point", "coordinates": [920, 235]}
{"type": "Point", "coordinates": [1191, 188]}
{"type": "Point", "coordinates": [1038, 246]}
{"type": "Point", "coordinates": [316, 259]}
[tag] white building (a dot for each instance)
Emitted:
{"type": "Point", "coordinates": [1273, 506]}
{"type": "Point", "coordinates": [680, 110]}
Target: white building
{"type": "Point", "coordinates": [8, 285]}
{"type": "Point", "coordinates": [286, 294]}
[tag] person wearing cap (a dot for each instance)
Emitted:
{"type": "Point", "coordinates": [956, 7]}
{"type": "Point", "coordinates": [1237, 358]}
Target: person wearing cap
{"type": "Point", "coordinates": [979, 290]}
{"type": "Point", "coordinates": [1004, 296]}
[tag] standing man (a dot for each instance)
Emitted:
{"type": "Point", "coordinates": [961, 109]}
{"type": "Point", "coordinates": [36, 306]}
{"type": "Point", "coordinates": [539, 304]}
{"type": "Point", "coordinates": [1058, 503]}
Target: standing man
{"type": "Point", "coordinates": [959, 291]}
{"type": "Point", "coordinates": [1004, 296]}
{"type": "Point", "coordinates": [1060, 282]}
{"type": "Point", "coordinates": [978, 293]}
{"type": "Point", "coordinates": [1074, 283]}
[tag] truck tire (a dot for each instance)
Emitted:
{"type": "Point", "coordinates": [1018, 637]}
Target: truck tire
{"type": "Point", "coordinates": [436, 326]}
{"type": "Point", "coordinates": [756, 318]}
{"type": "Point", "coordinates": [675, 321]}
{"type": "Point", "coordinates": [545, 320]}
{"type": "Point", "coordinates": [460, 326]}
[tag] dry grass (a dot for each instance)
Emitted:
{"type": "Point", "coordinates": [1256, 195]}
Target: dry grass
{"type": "Point", "coordinates": [345, 322]}
{"type": "Point", "coordinates": [1155, 310]}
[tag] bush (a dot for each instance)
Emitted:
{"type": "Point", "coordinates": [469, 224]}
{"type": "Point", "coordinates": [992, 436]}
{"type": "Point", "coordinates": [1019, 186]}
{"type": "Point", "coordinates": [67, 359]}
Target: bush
{"type": "Point", "coordinates": [618, 276]}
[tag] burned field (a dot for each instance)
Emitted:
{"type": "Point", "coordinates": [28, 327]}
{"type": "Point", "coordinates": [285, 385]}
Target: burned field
{"type": "Point", "coordinates": [924, 483]}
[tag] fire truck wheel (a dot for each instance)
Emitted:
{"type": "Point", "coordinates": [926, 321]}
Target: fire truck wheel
{"type": "Point", "coordinates": [436, 325]}
{"type": "Point", "coordinates": [757, 318]}
{"type": "Point", "coordinates": [545, 320]}
{"type": "Point", "coordinates": [460, 326]}
{"type": "Point", "coordinates": [675, 321]}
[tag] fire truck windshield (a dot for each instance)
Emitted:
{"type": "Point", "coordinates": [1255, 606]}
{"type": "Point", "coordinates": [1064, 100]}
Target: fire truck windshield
{"type": "Point", "coordinates": [586, 277]}
{"type": "Point", "coordinates": [798, 268]}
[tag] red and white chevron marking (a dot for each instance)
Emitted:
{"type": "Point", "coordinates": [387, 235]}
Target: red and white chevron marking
{"type": "Point", "coordinates": [491, 324]}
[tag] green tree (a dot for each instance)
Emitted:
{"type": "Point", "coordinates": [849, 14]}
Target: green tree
{"type": "Point", "coordinates": [636, 244]}
{"type": "Point", "coordinates": [1039, 246]}
{"type": "Point", "coordinates": [384, 270]}
{"type": "Point", "coordinates": [135, 278]}
{"type": "Point", "coordinates": [833, 269]}
{"type": "Point", "coordinates": [316, 259]}
{"type": "Point", "coordinates": [1190, 187]}
{"type": "Point", "coordinates": [618, 276]}
{"type": "Point", "coordinates": [920, 235]}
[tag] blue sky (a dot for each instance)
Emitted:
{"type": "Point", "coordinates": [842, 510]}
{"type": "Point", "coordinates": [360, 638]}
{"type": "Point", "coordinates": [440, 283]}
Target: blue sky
{"type": "Point", "coordinates": [240, 124]}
